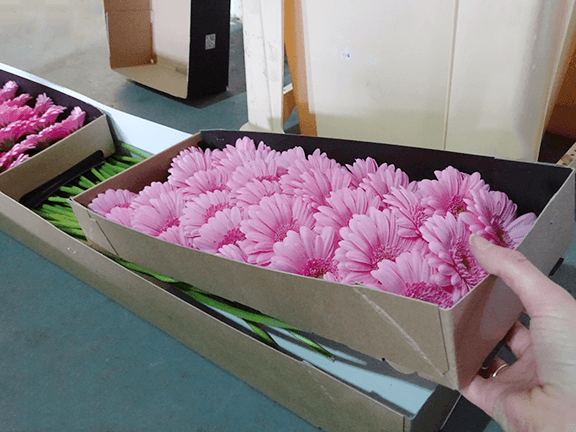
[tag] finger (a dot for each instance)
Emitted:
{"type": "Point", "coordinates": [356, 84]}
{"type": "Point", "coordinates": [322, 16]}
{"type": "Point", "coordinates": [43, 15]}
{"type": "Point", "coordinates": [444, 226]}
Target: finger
{"type": "Point", "coordinates": [518, 339]}
{"type": "Point", "coordinates": [538, 293]}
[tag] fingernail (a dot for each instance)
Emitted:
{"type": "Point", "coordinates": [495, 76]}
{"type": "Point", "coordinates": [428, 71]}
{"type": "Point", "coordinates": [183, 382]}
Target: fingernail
{"type": "Point", "coordinates": [479, 242]}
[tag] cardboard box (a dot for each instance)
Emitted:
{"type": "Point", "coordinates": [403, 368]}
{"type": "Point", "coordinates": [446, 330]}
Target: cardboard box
{"type": "Point", "coordinates": [93, 137]}
{"type": "Point", "coordinates": [353, 392]}
{"type": "Point", "coordinates": [447, 346]}
{"type": "Point", "coordinates": [178, 47]}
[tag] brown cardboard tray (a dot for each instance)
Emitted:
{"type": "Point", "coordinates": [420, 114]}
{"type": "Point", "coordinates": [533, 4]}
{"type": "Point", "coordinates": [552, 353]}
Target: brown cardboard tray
{"type": "Point", "coordinates": [447, 346]}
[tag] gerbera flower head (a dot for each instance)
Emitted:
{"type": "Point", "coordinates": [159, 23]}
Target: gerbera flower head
{"type": "Point", "coordinates": [175, 234]}
{"type": "Point", "coordinates": [342, 204]}
{"type": "Point", "coordinates": [153, 191]}
{"type": "Point", "coordinates": [450, 254]}
{"type": "Point", "coordinates": [369, 239]}
{"type": "Point", "coordinates": [121, 215]}
{"type": "Point", "coordinates": [233, 252]}
{"type": "Point", "coordinates": [8, 91]}
{"type": "Point", "coordinates": [188, 162]}
{"type": "Point", "coordinates": [42, 104]}
{"type": "Point", "coordinates": [258, 169]}
{"type": "Point", "coordinates": [244, 152]}
{"type": "Point", "coordinates": [159, 214]}
{"type": "Point", "coordinates": [253, 191]}
{"type": "Point", "coordinates": [492, 215]}
{"type": "Point", "coordinates": [360, 170]}
{"type": "Point", "coordinates": [14, 113]}
{"type": "Point", "coordinates": [17, 101]}
{"type": "Point", "coordinates": [307, 253]}
{"type": "Point", "coordinates": [221, 229]}
{"type": "Point", "coordinates": [448, 192]}
{"type": "Point", "coordinates": [200, 209]}
{"type": "Point", "coordinates": [206, 181]}
{"type": "Point", "coordinates": [269, 223]}
{"type": "Point", "coordinates": [411, 276]}
{"type": "Point", "coordinates": [18, 160]}
{"type": "Point", "coordinates": [385, 178]}
{"type": "Point", "coordinates": [314, 185]}
{"type": "Point", "coordinates": [58, 131]}
{"type": "Point", "coordinates": [407, 205]}
{"type": "Point", "coordinates": [110, 199]}
{"type": "Point", "coordinates": [287, 158]}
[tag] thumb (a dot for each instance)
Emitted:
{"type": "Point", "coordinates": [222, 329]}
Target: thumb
{"type": "Point", "coordinates": [538, 294]}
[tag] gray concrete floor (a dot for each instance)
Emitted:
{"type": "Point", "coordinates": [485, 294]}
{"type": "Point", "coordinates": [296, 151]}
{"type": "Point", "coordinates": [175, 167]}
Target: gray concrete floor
{"type": "Point", "coordinates": [65, 42]}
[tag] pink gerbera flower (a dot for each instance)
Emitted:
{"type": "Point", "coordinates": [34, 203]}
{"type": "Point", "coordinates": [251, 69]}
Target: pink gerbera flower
{"type": "Point", "coordinates": [8, 91]}
{"type": "Point", "coordinates": [188, 162]}
{"type": "Point", "coordinates": [411, 276]}
{"type": "Point", "coordinates": [407, 205]}
{"type": "Point", "coordinates": [369, 239]}
{"type": "Point", "coordinates": [244, 152]}
{"type": "Point", "coordinates": [121, 215]}
{"type": "Point", "coordinates": [17, 101]}
{"type": "Point", "coordinates": [175, 234]}
{"type": "Point", "coordinates": [201, 182]}
{"type": "Point", "coordinates": [200, 209]}
{"type": "Point", "coordinates": [492, 215]}
{"type": "Point", "coordinates": [221, 229]}
{"type": "Point", "coordinates": [314, 185]}
{"type": "Point", "coordinates": [287, 158]}
{"type": "Point", "coordinates": [447, 194]}
{"type": "Point", "coordinates": [43, 103]}
{"type": "Point", "coordinates": [385, 178]}
{"type": "Point", "coordinates": [450, 254]}
{"type": "Point", "coordinates": [58, 131]}
{"type": "Point", "coordinates": [19, 159]}
{"type": "Point", "coordinates": [360, 170]}
{"type": "Point", "coordinates": [233, 252]}
{"type": "Point", "coordinates": [106, 201]}
{"type": "Point", "coordinates": [160, 214]}
{"type": "Point", "coordinates": [153, 191]}
{"type": "Point", "coordinates": [258, 169]}
{"type": "Point", "coordinates": [269, 222]}
{"type": "Point", "coordinates": [317, 161]}
{"type": "Point", "coordinates": [253, 192]}
{"type": "Point", "coordinates": [307, 253]}
{"type": "Point", "coordinates": [14, 113]}
{"type": "Point", "coordinates": [342, 205]}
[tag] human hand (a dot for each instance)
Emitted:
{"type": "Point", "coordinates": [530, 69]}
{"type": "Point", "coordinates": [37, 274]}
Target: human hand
{"type": "Point", "coordinates": [537, 392]}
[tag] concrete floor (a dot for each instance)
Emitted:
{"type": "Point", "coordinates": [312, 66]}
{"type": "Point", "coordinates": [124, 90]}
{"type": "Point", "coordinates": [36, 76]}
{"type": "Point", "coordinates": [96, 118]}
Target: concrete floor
{"type": "Point", "coordinates": [65, 42]}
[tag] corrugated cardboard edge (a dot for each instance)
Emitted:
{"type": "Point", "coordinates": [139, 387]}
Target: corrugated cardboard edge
{"type": "Point", "coordinates": [307, 391]}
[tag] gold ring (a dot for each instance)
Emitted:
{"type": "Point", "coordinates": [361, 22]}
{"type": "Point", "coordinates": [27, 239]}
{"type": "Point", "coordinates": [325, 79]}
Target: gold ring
{"type": "Point", "coordinates": [498, 370]}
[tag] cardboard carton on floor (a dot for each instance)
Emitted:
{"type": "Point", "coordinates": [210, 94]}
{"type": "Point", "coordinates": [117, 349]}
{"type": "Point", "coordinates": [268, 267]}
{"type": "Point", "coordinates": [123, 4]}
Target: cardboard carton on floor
{"type": "Point", "coordinates": [352, 392]}
{"type": "Point", "coordinates": [93, 137]}
{"type": "Point", "coordinates": [447, 346]}
{"type": "Point", "coordinates": [178, 47]}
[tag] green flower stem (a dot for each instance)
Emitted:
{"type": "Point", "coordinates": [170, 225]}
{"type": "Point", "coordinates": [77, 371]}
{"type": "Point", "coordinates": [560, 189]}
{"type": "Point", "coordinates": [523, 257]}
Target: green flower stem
{"type": "Point", "coordinates": [61, 224]}
{"type": "Point", "coordinates": [72, 190]}
{"type": "Point", "coordinates": [106, 171]}
{"type": "Point", "coordinates": [266, 338]}
{"type": "Point", "coordinates": [97, 175]}
{"type": "Point", "coordinates": [135, 150]}
{"type": "Point", "coordinates": [118, 164]}
{"type": "Point", "coordinates": [65, 211]}
{"type": "Point", "coordinates": [57, 217]}
{"type": "Point", "coordinates": [129, 159]}
{"type": "Point", "coordinates": [86, 181]}
{"type": "Point", "coordinates": [112, 168]}
{"type": "Point", "coordinates": [58, 199]}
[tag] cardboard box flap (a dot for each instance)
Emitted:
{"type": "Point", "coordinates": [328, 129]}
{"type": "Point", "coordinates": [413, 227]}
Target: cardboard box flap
{"type": "Point", "coordinates": [130, 37]}
{"type": "Point", "coordinates": [170, 79]}
{"type": "Point", "coordinates": [126, 5]}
